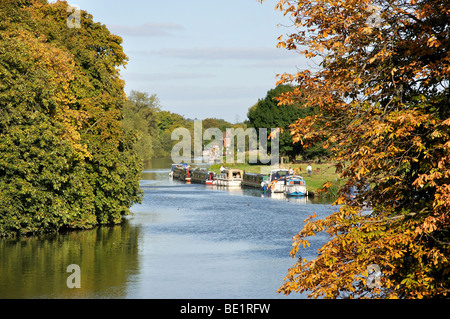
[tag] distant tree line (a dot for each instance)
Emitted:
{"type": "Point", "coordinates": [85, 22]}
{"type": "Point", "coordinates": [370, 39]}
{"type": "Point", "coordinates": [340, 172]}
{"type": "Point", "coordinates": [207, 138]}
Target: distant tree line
{"type": "Point", "coordinates": [266, 113]}
{"type": "Point", "coordinates": [143, 116]}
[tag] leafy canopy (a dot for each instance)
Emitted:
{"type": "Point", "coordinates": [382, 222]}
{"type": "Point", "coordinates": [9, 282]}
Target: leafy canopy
{"type": "Point", "coordinates": [383, 98]}
{"type": "Point", "coordinates": [65, 161]}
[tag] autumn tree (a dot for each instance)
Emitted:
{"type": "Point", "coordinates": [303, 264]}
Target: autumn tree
{"type": "Point", "coordinates": [383, 95]}
{"type": "Point", "coordinates": [65, 160]}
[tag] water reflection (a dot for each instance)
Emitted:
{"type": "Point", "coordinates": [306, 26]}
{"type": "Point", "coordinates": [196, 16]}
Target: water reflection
{"type": "Point", "coordinates": [36, 267]}
{"type": "Point", "coordinates": [183, 241]}
{"type": "Point", "coordinates": [202, 241]}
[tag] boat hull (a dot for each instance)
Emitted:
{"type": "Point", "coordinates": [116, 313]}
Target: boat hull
{"type": "Point", "coordinates": [230, 178]}
{"type": "Point", "coordinates": [275, 187]}
{"type": "Point", "coordinates": [203, 177]}
{"type": "Point", "coordinates": [253, 180]}
{"type": "Point", "coordinates": [296, 190]}
{"type": "Point", "coordinates": [233, 183]}
{"type": "Point", "coordinates": [279, 187]}
{"type": "Point", "coordinates": [227, 183]}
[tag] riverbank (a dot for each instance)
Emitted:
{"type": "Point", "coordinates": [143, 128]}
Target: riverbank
{"type": "Point", "coordinates": [322, 173]}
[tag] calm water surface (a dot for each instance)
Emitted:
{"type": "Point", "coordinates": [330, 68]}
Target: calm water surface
{"type": "Point", "coordinates": [183, 241]}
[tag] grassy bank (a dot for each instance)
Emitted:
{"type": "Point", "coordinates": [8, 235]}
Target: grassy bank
{"type": "Point", "coordinates": [322, 173]}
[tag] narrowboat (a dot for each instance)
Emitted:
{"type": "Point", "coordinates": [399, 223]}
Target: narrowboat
{"type": "Point", "coordinates": [182, 173]}
{"type": "Point", "coordinates": [172, 168]}
{"type": "Point", "coordinates": [230, 178]}
{"type": "Point", "coordinates": [295, 186]}
{"type": "Point", "coordinates": [203, 176]}
{"type": "Point", "coordinates": [276, 181]}
{"type": "Point", "coordinates": [253, 180]}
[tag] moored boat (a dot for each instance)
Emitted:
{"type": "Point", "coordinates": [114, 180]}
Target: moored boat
{"type": "Point", "coordinates": [203, 176]}
{"type": "Point", "coordinates": [276, 181]}
{"type": "Point", "coordinates": [172, 168]}
{"type": "Point", "coordinates": [253, 180]}
{"type": "Point", "coordinates": [230, 178]}
{"type": "Point", "coordinates": [295, 186]}
{"type": "Point", "coordinates": [182, 172]}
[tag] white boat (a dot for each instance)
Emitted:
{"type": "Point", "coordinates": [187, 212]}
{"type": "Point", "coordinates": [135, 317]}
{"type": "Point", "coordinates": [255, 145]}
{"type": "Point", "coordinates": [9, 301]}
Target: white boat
{"type": "Point", "coordinates": [276, 181]}
{"type": "Point", "coordinates": [295, 186]}
{"type": "Point", "coordinates": [230, 178]}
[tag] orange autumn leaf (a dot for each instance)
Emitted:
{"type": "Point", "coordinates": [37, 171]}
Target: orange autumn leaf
{"type": "Point", "coordinates": [382, 94]}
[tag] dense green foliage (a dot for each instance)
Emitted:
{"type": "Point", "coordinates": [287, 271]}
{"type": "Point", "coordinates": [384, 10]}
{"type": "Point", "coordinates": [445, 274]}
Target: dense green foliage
{"type": "Point", "coordinates": [267, 114]}
{"type": "Point", "coordinates": [65, 161]}
{"type": "Point", "coordinates": [139, 113]}
{"type": "Point", "coordinates": [143, 115]}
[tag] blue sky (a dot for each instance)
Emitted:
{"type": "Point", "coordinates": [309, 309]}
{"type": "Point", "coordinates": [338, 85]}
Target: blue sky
{"type": "Point", "coordinates": [203, 58]}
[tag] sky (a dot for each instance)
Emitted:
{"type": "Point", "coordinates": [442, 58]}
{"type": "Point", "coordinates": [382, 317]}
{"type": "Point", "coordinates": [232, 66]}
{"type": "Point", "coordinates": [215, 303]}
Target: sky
{"type": "Point", "coordinates": [202, 58]}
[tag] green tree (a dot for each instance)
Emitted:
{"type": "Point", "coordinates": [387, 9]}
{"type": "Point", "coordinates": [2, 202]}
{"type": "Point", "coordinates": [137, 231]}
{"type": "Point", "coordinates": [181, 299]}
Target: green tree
{"type": "Point", "coordinates": [267, 114]}
{"type": "Point", "coordinates": [65, 161]}
{"type": "Point", "coordinates": [143, 116]}
{"type": "Point", "coordinates": [139, 116]}
{"type": "Point", "coordinates": [166, 122]}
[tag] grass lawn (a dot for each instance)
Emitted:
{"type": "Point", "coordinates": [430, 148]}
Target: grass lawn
{"type": "Point", "coordinates": [322, 173]}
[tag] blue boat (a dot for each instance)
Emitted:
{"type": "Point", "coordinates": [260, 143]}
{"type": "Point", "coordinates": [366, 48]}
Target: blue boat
{"type": "Point", "coordinates": [295, 186]}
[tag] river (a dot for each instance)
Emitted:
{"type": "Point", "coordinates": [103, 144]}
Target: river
{"type": "Point", "coordinates": [184, 241]}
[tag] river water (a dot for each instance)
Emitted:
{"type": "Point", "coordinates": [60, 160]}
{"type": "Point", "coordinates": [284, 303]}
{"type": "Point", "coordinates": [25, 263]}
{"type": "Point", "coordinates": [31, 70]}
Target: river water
{"type": "Point", "coordinates": [183, 241]}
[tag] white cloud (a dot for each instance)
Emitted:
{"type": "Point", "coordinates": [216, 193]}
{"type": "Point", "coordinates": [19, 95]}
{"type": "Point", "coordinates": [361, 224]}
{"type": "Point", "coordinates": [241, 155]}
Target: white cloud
{"type": "Point", "coordinates": [219, 53]}
{"type": "Point", "coordinates": [150, 29]}
{"type": "Point", "coordinates": [167, 76]}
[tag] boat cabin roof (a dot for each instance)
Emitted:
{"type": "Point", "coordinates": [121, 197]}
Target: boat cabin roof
{"type": "Point", "coordinates": [183, 165]}
{"type": "Point", "coordinates": [274, 171]}
{"type": "Point", "coordinates": [254, 174]}
{"type": "Point", "coordinates": [232, 172]}
{"type": "Point", "coordinates": [278, 173]}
